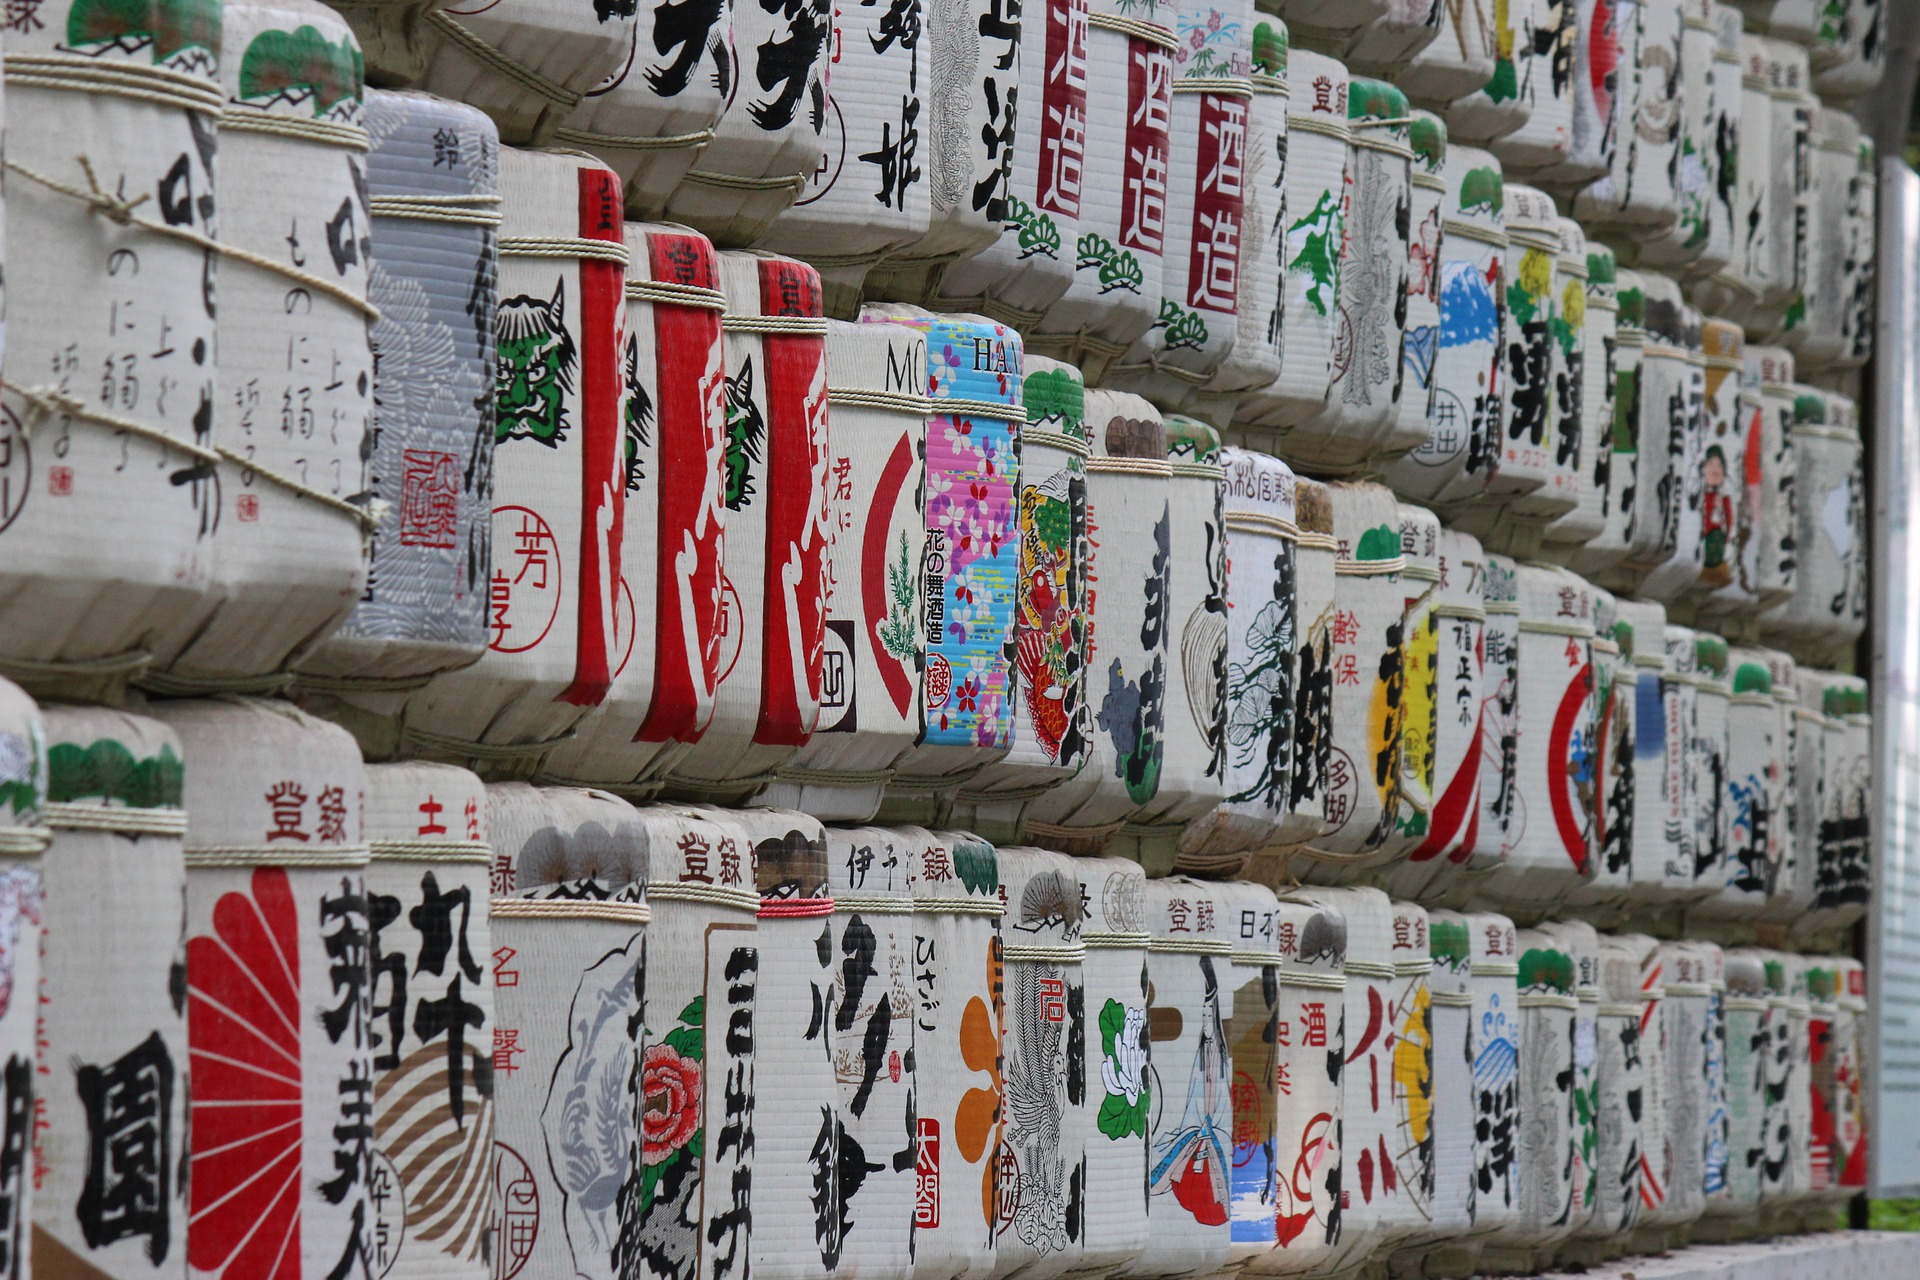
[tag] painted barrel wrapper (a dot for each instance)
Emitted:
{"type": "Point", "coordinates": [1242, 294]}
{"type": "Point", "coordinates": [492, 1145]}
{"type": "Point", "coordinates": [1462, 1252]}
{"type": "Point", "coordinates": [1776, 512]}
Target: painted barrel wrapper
{"type": "Point", "coordinates": [1499, 717]}
{"type": "Point", "coordinates": [1661, 864]}
{"type": "Point", "coordinates": [1813, 320]}
{"type": "Point", "coordinates": [1254, 917]}
{"type": "Point", "coordinates": [1778, 1078]}
{"type": "Point", "coordinates": [1640, 190]}
{"type": "Point", "coordinates": [1494, 1044]}
{"type": "Point", "coordinates": [1753, 793]}
{"type": "Point", "coordinates": [1458, 61]}
{"type": "Point", "coordinates": [24, 776]}
{"type": "Point", "coordinates": [1616, 487]}
{"type": "Point", "coordinates": [527, 63]}
{"type": "Point", "coordinates": [1622, 1090]}
{"type": "Point", "coordinates": [1843, 869]}
{"type": "Point", "coordinates": [1655, 1156]}
{"type": "Point", "coordinates": [1791, 175]}
{"type": "Point", "coordinates": [1545, 67]}
{"type": "Point", "coordinates": [1709, 92]}
{"type": "Point", "coordinates": [1748, 1033]}
{"type": "Point", "coordinates": [1257, 354]}
{"type": "Point", "coordinates": [1706, 754]}
{"type": "Point", "coordinates": [1734, 290]}
{"type": "Point", "coordinates": [1826, 609]}
{"type": "Point", "coordinates": [1723, 456]}
{"type": "Point", "coordinates": [1545, 1132]}
{"type": "Point", "coordinates": [1422, 584]}
{"type": "Point", "coordinates": [1800, 1096]}
{"type": "Point", "coordinates": [1857, 268]}
{"type": "Point", "coordinates": [1783, 845]}
{"type": "Point", "coordinates": [1691, 1028]}
{"type": "Point", "coordinates": [1837, 1077]}
{"type": "Point", "coordinates": [1601, 320]}
{"type": "Point", "coordinates": [1412, 1135]}
{"type": "Point", "coordinates": [1316, 564]}
{"type": "Point", "coordinates": [1414, 423]}
{"type": "Point", "coordinates": [1561, 457]}
{"type": "Point", "coordinates": [1582, 942]}
{"type": "Point", "coordinates": [1387, 43]}
{"type": "Point", "coordinates": [1668, 430]}
{"type": "Point", "coordinates": [1593, 131]}
{"type": "Point", "coordinates": [1616, 689]}
{"type": "Point", "coordinates": [1450, 1211]}
{"type": "Point", "coordinates": [1849, 57]}
{"type": "Point", "coordinates": [1117, 1073]}
{"type": "Point", "coordinates": [1503, 101]}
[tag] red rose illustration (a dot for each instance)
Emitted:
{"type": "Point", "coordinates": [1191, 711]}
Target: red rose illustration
{"type": "Point", "coordinates": [672, 1113]}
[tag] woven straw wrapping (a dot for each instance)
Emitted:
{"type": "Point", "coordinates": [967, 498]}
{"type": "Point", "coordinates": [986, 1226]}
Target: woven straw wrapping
{"type": "Point", "coordinates": [667, 619]}
{"type": "Point", "coordinates": [1495, 825]}
{"type": "Point", "coordinates": [1415, 424]}
{"type": "Point", "coordinates": [1711, 91]}
{"type": "Point", "coordinates": [113, 1040]}
{"type": "Point", "coordinates": [1503, 101]}
{"type": "Point", "coordinates": [1686, 1096]}
{"type": "Point", "coordinates": [1410, 1135]}
{"type": "Point", "coordinates": [773, 131]}
{"type": "Point", "coordinates": [559, 498]}
{"type": "Point", "coordinates": [281, 1052]}
{"type": "Point", "coordinates": [1458, 60]}
{"type": "Point", "coordinates": [1792, 896]}
{"type": "Point", "coordinates": [1813, 323]}
{"type": "Point", "coordinates": [1125, 198]}
{"type": "Point", "coordinates": [1706, 752]}
{"type": "Point", "coordinates": [1837, 1076]}
{"type": "Point", "coordinates": [1031, 262]}
{"type": "Point", "coordinates": [1856, 322]}
{"type": "Point", "coordinates": [1661, 869]}
{"type": "Point", "coordinates": [1843, 871]}
{"type": "Point", "coordinates": [778, 523]}
{"type": "Point", "coordinates": [1754, 792]}
{"type": "Point", "coordinates": [1616, 689]}
{"type": "Point", "coordinates": [1387, 43]}
{"type": "Point", "coordinates": [1129, 524]}
{"type": "Point", "coordinates": [288, 560]}
{"type": "Point", "coordinates": [1622, 1111]}
{"type": "Point", "coordinates": [432, 274]}
{"type": "Point", "coordinates": [1545, 66]}
{"type": "Point", "coordinates": [1545, 1132]}
{"type": "Point", "coordinates": [1616, 471]}
{"type": "Point", "coordinates": [1600, 340]}
{"type": "Point", "coordinates": [1749, 1033]}
{"type": "Point", "coordinates": [1763, 556]}
{"type": "Point", "coordinates": [1781, 1077]}
{"type": "Point", "coordinates": [1849, 56]}
{"type": "Point", "coordinates": [1783, 843]}
{"type": "Point", "coordinates": [1051, 723]}
{"type": "Point", "coordinates": [526, 63]}
{"type": "Point", "coordinates": [1593, 131]}
{"type": "Point", "coordinates": [1735, 290]}
{"type": "Point", "coordinates": [1312, 225]}
{"type": "Point", "coordinates": [1800, 1178]}
{"type": "Point", "coordinates": [1722, 464]}
{"type": "Point", "coordinates": [1827, 608]}
{"type": "Point", "coordinates": [1450, 1016]}
{"type": "Point", "coordinates": [876, 635]}
{"type": "Point", "coordinates": [875, 1071]}
{"type": "Point", "coordinates": [1600, 201]}
{"type": "Point", "coordinates": [1655, 1128]}
{"type": "Point", "coordinates": [1468, 415]}
{"type": "Point", "coordinates": [1255, 360]}
{"type": "Point", "coordinates": [1316, 575]}
{"type": "Point", "coordinates": [958, 1024]}
{"type": "Point", "coordinates": [1041, 1158]}
{"type": "Point", "coordinates": [1253, 918]}
{"type": "Point", "coordinates": [1117, 1079]}
{"type": "Point", "coordinates": [1639, 192]}
{"type": "Point", "coordinates": [1790, 179]}
{"type": "Point", "coordinates": [1422, 584]}
{"type": "Point", "coordinates": [1583, 944]}
{"type": "Point", "coordinates": [1561, 456]}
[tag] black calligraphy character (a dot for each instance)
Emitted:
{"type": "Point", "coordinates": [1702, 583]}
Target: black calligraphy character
{"type": "Point", "coordinates": [129, 1109]}
{"type": "Point", "coordinates": [382, 910]}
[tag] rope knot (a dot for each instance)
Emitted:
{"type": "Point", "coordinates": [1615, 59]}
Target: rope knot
{"type": "Point", "coordinates": [114, 208]}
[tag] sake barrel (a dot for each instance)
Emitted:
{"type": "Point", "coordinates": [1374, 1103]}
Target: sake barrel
{"type": "Point", "coordinates": [1814, 731]}
{"type": "Point", "coordinates": [1051, 722]}
{"type": "Point", "coordinates": [1191, 772]}
{"type": "Point", "coordinates": [1594, 97]}
{"type": "Point", "coordinates": [1620, 1069]}
{"type": "Point", "coordinates": [1850, 51]}
{"type": "Point", "coordinates": [1333, 26]}
{"type": "Point", "coordinates": [1450, 1019]}
{"type": "Point", "coordinates": [1197, 317]}
{"type": "Point", "coordinates": [1129, 533]}
{"type": "Point", "coordinates": [1596, 393]}
{"type": "Point", "coordinates": [1789, 204]}
{"type": "Point", "coordinates": [1410, 1012]}
{"type": "Point", "coordinates": [1618, 456]}
{"type": "Point", "coordinates": [1367, 1128]}
{"type": "Point", "coordinates": [1778, 1082]}
{"type": "Point", "coordinates": [1765, 517]}
{"type": "Point", "coordinates": [1856, 321]}
{"type": "Point", "coordinates": [1189, 1138]}
{"type": "Point", "coordinates": [658, 106]}
{"type": "Point", "coordinates": [1823, 1082]}
{"type": "Point", "coordinates": [1263, 623]}
{"type": "Point", "coordinates": [569, 935]}
{"type": "Point", "coordinates": [1390, 40]}
{"type": "Point", "coordinates": [1495, 824]}
{"type": "Point", "coordinates": [1459, 721]}
{"type": "Point", "coordinates": [1813, 321]}
{"type": "Point", "coordinates": [777, 492]}
{"type": "Point", "coordinates": [1504, 101]}
{"type": "Point", "coordinates": [1667, 407]}
{"type": "Point", "coordinates": [867, 197]}
{"type": "Point", "coordinates": [1843, 874]}
{"type": "Point", "coordinates": [1734, 290]}
{"type": "Point", "coordinates": [1747, 1034]}
{"type": "Point", "coordinates": [279, 1010]}
{"type": "Point", "coordinates": [702, 976]}
{"type": "Point", "coordinates": [1544, 67]}
{"type": "Point", "coordinates": [1254, 917]}
{"type": "Point", "coordinates": [1826, 607]}
{"type": "Point", "coordinates": [1311, 227]}
{"type": "Point", "coordinates": [1456, 62]}
{"type": "Point", "coordinates": [1655, 1156]}
{"type": "Point", "coordinates": [1639, 191]}
{"type": "Point", "coordinates": [1030, 262]}
{"type": "Point", "coordinates": [968, 582]}
{"type": "Point", "coordinates": [1583, 943]}
{"type": "Point", "coordinates": [1039, 1225]}
{"type": "Point", "coordinates": [875, 1072]}
{"type": "Point", "coordinates": [1114, 295]}
{"type": "Point", "coordinates": [1494, 1047]}
{"type": "Point", "coordinates": [1367, 696]}
{"type": "Point", "coordinates": [1733, 472]}
{"type": "Point", "coordinates": [1316, 574]}
{"type": "Point", "coordinates": [1117, 1078]}
{"type": "Point", "coordinates": [1687, 1012]}
{"type": "Point", "coordinates": [973, 146]}
{"type": "Point", "coordinates": [1847, 1058]}
{"type": "Point", "coordinates": [1751, 794]}
{"type": "Point", "coordinates": [1783, 846]}
{"type": "Point", "coordinates": [773, 132]}
{"type": "Point", "coordinates": [559, 494]}
{"type": "Point", "coordinates": [1467, 420]}
{"type": "Point", "coordinates": [528, 65]}
{"type": "Point", "coordinates": [112, 1097]}
{"type": "Point", "coordinates": [1414, 421]}
{"type": "Point", "coordinates": [1719, 463]}
{"type": "Point", "coordinates": [1615, 686]}
{"type": "Point", "coordinates": [1707, 95]}
{"type": "Point", "coordinates": [1546, 1132]}
{"type": "Point", "coordinates": [1358, 416]}
{"type": "Point", "coordinates": [667, 618]}
{"type": "Point", "coordinates": [81, 609]}
{"type": "Point", "coordinates": [876, 639]}
{"type": "Point", "coordinates": [290, 558]}
{"type": "Point", "coordinates": [434, 191]}
{"type": "Point", "coordinates": [1423, 581]}
{"type": "Point", "coordinates": [1310, 1054]}
{"type": "Point", "coordinates": [1800, 1095]}
{"type": "Point", "coordinates": [958, 1020]}
{"type": "Point", "coordinates": [1552, 446]}
{"type": "Point", "coordinates": [1706, 753]}
{"type": "Point", "coordinates": [1256, 357]}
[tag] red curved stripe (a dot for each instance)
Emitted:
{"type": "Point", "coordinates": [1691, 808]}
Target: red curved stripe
{"type": "Point", "coordinates": [873, 573]}
{"type": "Point", "coordinates": [1572, 838]}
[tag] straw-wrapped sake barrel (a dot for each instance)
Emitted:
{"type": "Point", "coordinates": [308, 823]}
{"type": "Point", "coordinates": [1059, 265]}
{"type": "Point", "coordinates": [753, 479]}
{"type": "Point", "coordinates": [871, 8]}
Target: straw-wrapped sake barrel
{"type": "Point", "coordinates": [1410, 1013]}
{"type": "Point", "coordinates": [81, 597]}
{"type": "Point", "coordinates": [1467, 419]}
{"type": "Point", "coordinates": [1777, 1069]}
{"type": "Point", "coordinates": [1711, 462]}
{"type": "Point", "coordinates": [1616, 683]}
{"type": "Point", "coordinates": [1621, 1071]}
{"type": "Point", "coordinates": [1783, 837]}
{"type": "Point", "coordinates": [1849, 56]}
{"type": "Point", "coordinates": [1643, 954]}
{"type": "Point", "coordinates": [1640, 191]}
{"type": "Point", "coordinates": [1792, 895]}
{"type": "Point", "coordinates": [1544, 68]}
{"type": "Point", "coordinates": [1863, 239]}
{"type": "Point", "coordinates": [1813, 321]}
{"type": "Point", "coordinates": [559, 493]}
{"type": "Point", "coordinates": [1769, 270]}
{"type": "Point", "coordinates": [1117, 1078]}
{"type": "Point", "coordinates": [1842, 852]}
{"type": "Point", "coordinates": [109, 1110]}
{"type": "Point", "coordinates": [1502, 102]}
{"type": "Point", "coordinates": [1616, 469]}
{"type": "Point", "coordinates": [1423, 581]}
{"type": "Point", "coordinates": [1130, 625]}
{"type": "Point", "coordinates": [1753, 793]}
{"type": "Point", "coordinates": [289, 551]}
{"type": "Point", "coordinates": [1837, 1084]}
{"type": "Point", "coordinates": [1706, 752]}
{"type": "Point", "coordinates": [779, 502]}
{"type": "Point", "coordinates": [1493, 1061]}
{"type": "Point", "coordinates": [1593, 128]}
{"type": "Point", "coordinates": [1583, 943]}
{"type": "Point", "coordinates": [1051, 721]}
{"type": "Point", "coordinates": [279, 1011]}
{"type": "Point", "coordinates": [968, 582]}
{"type": "Point", "coordinates": [1334, 26]}
{"type": "Point", "coordinates": [1316, 575]}
{"type": "Point", "coordinates": [1748, 1035]}
{"type": "Point", "coordinates": [1559, 452]}
{"type": "Point", "coordinates": [1596, 392]}
{"type": "Point", "coordinates": [1386, 44]}
{"type": "Point", "coordinates": [1041, 1160]}
{"type": "Point", "coordinates": [1827, 608]}
{"type": "Point", "coordinates": [1420, 344]}
{"type": "Point", "coordinates": [1457, 61]}
{"type": "Point", "coordinates": [1449, 1210]}
{"type": "Point", "coordinates": [1494, 825]}
{"type": "Point", "coordinates": [1763, 552]}
{"type": "Point", "coordinates": [1800, 1095]}
{"type": "Point", "coordinates": [1694, 1039]}
{"type": "Point", "coordinates": [527, 63]}
{"type": "Point", "coordinates": [434, 191]}
{"type": "Point", "coordinates": [876, 639]}
{"type": "Point", "coordinates": [1254, 917]}
{"type": "Point", "coordinates": [569, 935]}
{"type": "Point", "coordinates": [1708, 93]}
{"type": "Point", "coordinates": [667, 624]}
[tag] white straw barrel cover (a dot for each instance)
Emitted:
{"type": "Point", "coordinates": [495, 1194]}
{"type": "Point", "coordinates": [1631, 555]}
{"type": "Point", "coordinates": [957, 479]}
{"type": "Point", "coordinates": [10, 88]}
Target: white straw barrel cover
{"type": "Point", "coordinates": [1449, 1210]}
{"type": "Point", "coordinates": [1685, 1096]}
{"type": "Point", "coordinates": [1655, 1157]}
{"type": "Point", "coordinates": [1410, 1013]}
{"type": "Point", "coordinates": [1826, 609]}
{"type": "Point", "coordinates": [110, 1105]}
{"type": "Point", "coordinates": [876, 635]}
{"type": "Point", "coordinates": [1748, 1034]}
{"type": "Point", "coordinates": [1422, 583]}
{"type": "Point", "coordinates": [1706, 752]}
{"type": "Point", "coordinates": [667, 616]}
{"type": "Point", "coordinates": [1334, 25]}
{"type": "Point", "coordinates": [778, 523]}
{"type": "Point", "coordinates": [1639, 191]}
{"type": "Point", "coordinates": [1583, 944]}
{"type": "Point", "coordinates": [1420, 343]}
{"type": "Point", "coordinates": [1724, 470]}
{"type": "Point", "coordinates": [1813, 321]}
{"type": "Point", "coordinates": [1254, 917]}
{"type": "Point", "coordinates": [870, 1004]}
{"type": "Point", "coordinates": [1503, 101]}
{"type": "Point", "coordinates": [1616, 484]}
{"type": "Point", "coordinates": [1593, 131]}
{"type": "Point", "coordinates": [1622, 1077]}
{"type": "Point", "coordinates": [1544, 1136]}
{"type": "Point", "coordinates": [82, 593]}
{"type": "Point", "coordinates": [1467, 421]}
{"type": "Point", "coordinates": [1536, 291]}
{"type": "Point", "coordinates": [569, 935]}
{"type": "Point", "coordinates": [1668, 405]}
{"type": "Point", "coordinates": [279, 1010]}
{"type": "Point", "coordinates": [1117, 1077]}
{"type": "Point", "coordinates": [1041, 1161]}
{"type": "Point", "coordinates": [1616, 689]}
{"type": "Point", "coordinates": [526, 63]}
{"type": "Point", "coordinates": [433, 182]}
{"type": "Point", "coordinates": [1843, 1053]}
{"type": "Point", "coordinates": [430, 960]}
{"type": "Point", "coordinates": [292, 515]}
{"type": "Point", "coordinates": [1791, 176]}
{"type": "Point", "coordinates": [1544, 64]}
{"type": "Point", "coordinates": [559, 494]}
{"type": "Point", "coordinates": [1493, 971]}
{"type": "Point", "coordinates": [1842, 850]}
{"type": "Point", "coordinates": [1708, 93]}
{"type": "Point", "coordinates": [1457, 61]}
{"type": "Point", "coordinates": [1738, 286]}
{"type": "Point", "coordinates": [1316, 575]}
{"type": "Point", "coordinates": [1660, 849]}
{"type": "Point", "coordinates": [1754, 792]}
{"type": "Point", "coordinates": [1857, 268]}
{"type": "Point", "coordinates": [958, 1023]}
{"type": "Point", "coordinates": [1780, 1076]}
{"type": "Point", "coordinates": [1190, 990]}
{"type": "Point", "coordinates": [1497, 825]}
{"type": "Point", "coordinates": [1255, 360]}
{"type": "Point", "coordinates": [1800, 1093]}
{"type": "Point", "coordinates": [24, 776]}
{"type": "Point", "coordinates": [1594, 393]}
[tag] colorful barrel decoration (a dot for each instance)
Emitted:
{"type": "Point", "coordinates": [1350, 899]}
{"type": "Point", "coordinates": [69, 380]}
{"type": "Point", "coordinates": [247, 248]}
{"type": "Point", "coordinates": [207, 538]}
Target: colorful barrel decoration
{"type": "Point", "coordinates": [1493, 1044]}
{"type": "Point", "coordinates": [1748, 1034]}
{"type": "Point", "coordinates": [1640, 189]}
{"type": "Point", "coordinates": [1503, 102]}
{"type": "Point", "coordinates": [667, 618]}
{"type": "Point", "coordinates": [1317, 566]}
{"type": "Point", "coordinates": [1621, 1068]}
{"type": "Point", "coordinates": [1616, 693]}
{"type": "Point", "coordinates": [1707, 94]}
{"type": "Point", "coordinates": [1599, 343]}
{"type": "Point", "coordinates": [1695, 1065]}
{"type": "Point", "coordinates": [1254, 917]}
{"type": "Point", "coordinates": [1560, 453]}
{"type": "Point", "coordinates": [1667, 405]}
{"type": "Point", "coordinates": [528, 64]}
{"type": "Point", "coordinates": [1706, 752]}
{"type": "Point", "coordinates": [1582, 942]}
{"type": "Point", "coordinates": [1762, 492]}
{"type": "Point", "coordinates": [1784, 815]}
{"type": "Point", "coordinates": [24, 837]}
{"type": "Point", "coordinates": [1410, 1012]}
{"type": "Point", "coordinates": [1420, 344]}
{"type": "Point", "coordinates": [1837, 1076]}
{"type": "Point", "coordinates": [559, 495]}
{"type": "Point", "coordinates": [1813, 731]}
{"type": "Point", "coordinates": [778, 520]}
{"type": "Point", "coordinates": [1826, 612]}
{"type": "Point", "coordinates": [1496, 826]}
{"type": "Point", "coordinates": [1546, 1131]}
{"type": "Point", "coordinates": [1450, 1211]}
{"type": "Point", "coordinates": [1780, 1077]}
{"type": "Point", "coordinates": [1117, 1075]}
{"type": "Point", "coordinates": [1723, 456]}
{"type": "Point", "coordinates": [1593, 130]}
{"type": "Point", "coordinates": [1544, 67]}
{"type": "Point", "coordinates": [1423, 581]}
{"type": "Point", "coordinates": [1843, 873]}
{"type": "Point", "coordinates": [1753, 793]}
{"type": "Point", "coordinates": [1457, 62]}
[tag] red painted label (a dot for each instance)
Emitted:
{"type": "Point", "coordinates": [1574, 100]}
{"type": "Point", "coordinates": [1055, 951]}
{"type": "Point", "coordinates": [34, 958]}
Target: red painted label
{"type": "Point", "coordinates": [1063, 109]}
{"type": "Point", "coordinates": [1219, 200]}
{"type": "Point", "coordinates": [1143, 198]}
{"type": "Point", "coordinates": [873, 573]}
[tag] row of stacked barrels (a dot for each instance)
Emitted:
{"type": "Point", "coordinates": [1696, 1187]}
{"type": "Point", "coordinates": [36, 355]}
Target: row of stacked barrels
{"type": "Point", "coordinates": [386, 1019]}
